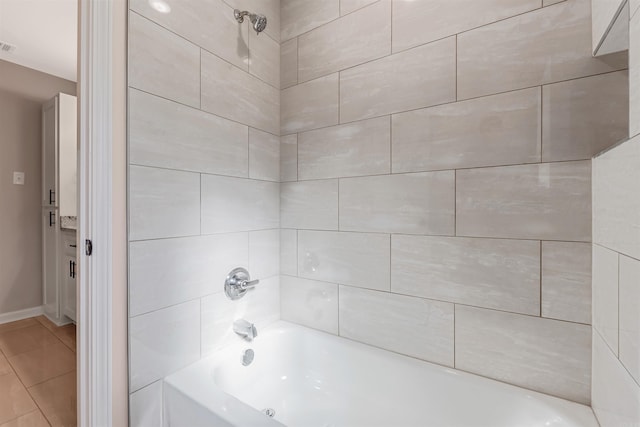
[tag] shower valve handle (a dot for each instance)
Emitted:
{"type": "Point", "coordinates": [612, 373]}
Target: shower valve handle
{"type": "Point", "coordinates": [238, 282]}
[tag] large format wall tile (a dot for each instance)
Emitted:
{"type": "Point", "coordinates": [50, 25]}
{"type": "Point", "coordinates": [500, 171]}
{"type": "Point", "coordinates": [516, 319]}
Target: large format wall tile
{"type": "Point", "coordinates": [605, 295]}
{"type": "Point", "coordinates": [310, 105]}
{"type": "Point", "coordinates": [357, 259]}
{"type": "Point", "coordinates": [310, 303]}
{"type": "Point", "coordinates": [289, 252]}
{"type": "Point", "coordinates": [348, 6]}
{"type": "Point", "coordinates": [547, 201]}
{"type": "Point", "coordinates": [544, 46]}
{"type": "Point", "coordinates": [166, 272]}
{"type": "Point", "coordinates": [361, 36]}
{"type": "Point", "coordinates": [545, 355]}
{"type": "Point", "coordinates": [616, 199]}
{"type": "Point", "coordinates": [491, 273]}
{"type": "Point", "coordinates": [419, 22]}
{"type": "Point", "coordinates": [170, 135]}
{"type": "Point", "coordinates": [584, 116]}
{"type": "Point", "coordinates": [260, 306]}
{"type": "Point", "coordinates": [235, 94]}
{"type": "Point", "coordinates": [163, 63]}
{"type": "Point", "coordinates": [412, 326]}
{"type": "Point", "coordinates": [289, 158]}
{"type": "Point", "coordinates": [360, 148]}
{"type": "Point", "coordinates": [207, 23]}
{"type": "Point", "coordinates": [289, 63]}
{"type": "Point", "coordinates": [145, 406]}
{"type": "Point", "coordinates": [418, 78]}
{"type": "Point", "coordinates": [263, 54]}
{"type": "Point", "coordinates": [300, 16]}
{"type": "Point", "coordinates": [163, 203]}
{"type": "Point", "coordinates": [421, 203]}
{"type": "Point", "coordinates": [491, 131]}
{"type": "Point", "coordinates": [310, 205]}
{"type": "Point", "coordinates": [162, 342]}
{"type": "Point", "coordinates": [264, 155]}
{"type": "Point", "coordinates": [264, 253]}
{"type": "Point", "coordinates": [566, 281]}
{"type": "Point", "coordinates": [616, 397]}
{"type": "Point", "coordinates": [236, 204]}
{"type": "Point", "coordinates": [630, 315]}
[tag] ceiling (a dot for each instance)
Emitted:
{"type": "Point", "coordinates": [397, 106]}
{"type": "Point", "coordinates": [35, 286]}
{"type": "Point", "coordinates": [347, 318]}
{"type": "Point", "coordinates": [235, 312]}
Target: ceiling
{"type": "Point", "coordinates": [44, 33]}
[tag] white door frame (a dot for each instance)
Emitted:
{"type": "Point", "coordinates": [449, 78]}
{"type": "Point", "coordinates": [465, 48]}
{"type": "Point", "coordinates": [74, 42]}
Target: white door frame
{"type": "Point", "coordinates": [95, 214]}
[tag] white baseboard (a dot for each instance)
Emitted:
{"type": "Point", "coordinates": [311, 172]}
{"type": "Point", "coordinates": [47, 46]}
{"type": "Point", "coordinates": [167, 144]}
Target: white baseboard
{"type": "Point", "coordinates": [21, 314]}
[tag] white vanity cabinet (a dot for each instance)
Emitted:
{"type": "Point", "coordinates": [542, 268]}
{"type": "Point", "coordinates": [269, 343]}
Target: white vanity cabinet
{"type": "Point", "coordinates": [59, 199]}
{"type": "Point", "coordinates": [68, 274]}
{"type": "Point", "coordinates": [609, 26]}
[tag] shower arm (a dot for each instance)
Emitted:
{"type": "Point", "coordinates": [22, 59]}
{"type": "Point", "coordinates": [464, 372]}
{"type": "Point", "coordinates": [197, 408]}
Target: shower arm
{"type": "Point", "coordinates": [240, 15]}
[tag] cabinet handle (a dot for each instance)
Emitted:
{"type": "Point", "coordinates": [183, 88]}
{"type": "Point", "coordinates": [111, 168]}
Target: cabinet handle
{"type": "Point", "coordinates": [70, 268]}
{"type": "Point", "coordinates": [73, 270]}
{"type": "Point", "coordinates": [73, 246]}
{"type": "Point", "coordinates": [52, 218]}
{"type": "Point", "coordinates": [52, 195]}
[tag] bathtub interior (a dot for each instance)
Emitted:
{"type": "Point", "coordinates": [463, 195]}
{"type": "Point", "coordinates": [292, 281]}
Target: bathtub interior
{"type": "Point", "coordinates": [313, 379]}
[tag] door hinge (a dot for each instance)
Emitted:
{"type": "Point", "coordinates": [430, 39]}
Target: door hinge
{"type": "Point", "coordinates": [88, 247]}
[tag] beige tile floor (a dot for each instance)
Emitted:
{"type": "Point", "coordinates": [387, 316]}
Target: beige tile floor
{"type": "Point", "coordinates": [37, 374]}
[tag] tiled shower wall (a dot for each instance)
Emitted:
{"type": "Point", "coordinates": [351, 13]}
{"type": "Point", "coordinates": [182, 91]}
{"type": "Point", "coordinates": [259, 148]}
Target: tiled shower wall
{"type": "Point", "coordinates": [616, 265]}
{"type": "Point", "coordinates": [204, 108]}
{"type": "Point", "coordinates": [436, 179]}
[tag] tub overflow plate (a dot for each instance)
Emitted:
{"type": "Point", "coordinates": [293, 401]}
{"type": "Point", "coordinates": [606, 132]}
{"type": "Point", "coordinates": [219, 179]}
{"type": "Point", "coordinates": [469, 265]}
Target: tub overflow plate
{"type": "Point", "coordinates": [269, 412]}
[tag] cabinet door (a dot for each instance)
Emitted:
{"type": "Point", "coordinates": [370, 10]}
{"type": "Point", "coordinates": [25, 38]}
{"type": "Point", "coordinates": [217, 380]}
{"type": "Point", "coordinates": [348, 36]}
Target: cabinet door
{"type": "Point", "coordinates": [49, 153]}
{"type": "Point", "coordinates": [50, 263]}
{"type": "Point", "coordinates": [69, 272]}
{"type": "Point", "coordinates": [67, 155]}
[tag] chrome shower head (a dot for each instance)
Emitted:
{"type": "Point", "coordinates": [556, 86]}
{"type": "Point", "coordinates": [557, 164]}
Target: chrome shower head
{"type": "Point", "coordinates": [259, 21]}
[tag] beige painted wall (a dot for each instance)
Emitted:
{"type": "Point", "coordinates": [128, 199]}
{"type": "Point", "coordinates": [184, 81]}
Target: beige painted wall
{"type": "Point", "coordinates": [22, 92]}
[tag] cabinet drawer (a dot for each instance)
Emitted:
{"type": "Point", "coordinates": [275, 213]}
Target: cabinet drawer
{"type": "Point", "coordinates": [69, 243]}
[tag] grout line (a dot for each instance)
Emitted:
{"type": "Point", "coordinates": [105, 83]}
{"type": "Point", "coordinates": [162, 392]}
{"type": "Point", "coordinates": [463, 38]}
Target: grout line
{"type": "Point", "coordinates": [448, 103]}
{"type": "Point", "coordinates": [328, 22]}
{"type": "Point", "coordinates": [194, 172]}
{"type": "Point", "coordinates": [614, 250]}
{"type": "Point", "coordinates": [433, 171]}
{"type": "Point", "coordinates": [206, 50]}
{"type": "Point", "coordinates": [197, 109]}
{"type": "Point", "coordinates": [335, 230]}
{"type": "Point", "coordinates": [534, 316]}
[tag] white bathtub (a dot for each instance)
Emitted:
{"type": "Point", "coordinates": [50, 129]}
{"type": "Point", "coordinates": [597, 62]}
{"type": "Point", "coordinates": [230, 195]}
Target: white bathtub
{"type": "Point", "coordinates": [315, 379]}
